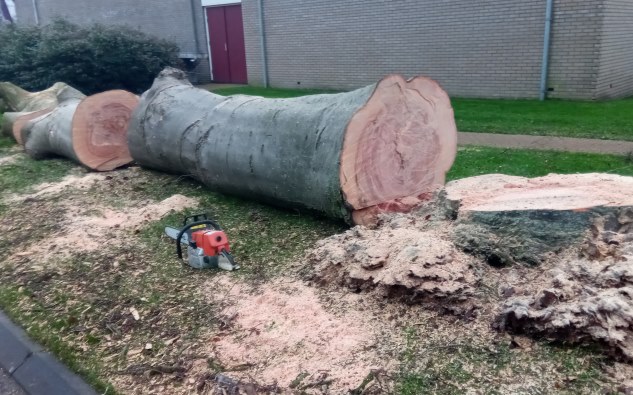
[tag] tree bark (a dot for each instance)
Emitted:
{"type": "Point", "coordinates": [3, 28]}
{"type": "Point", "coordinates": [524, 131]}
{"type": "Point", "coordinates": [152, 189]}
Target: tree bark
{"type": "Point", "coordinates": [91, 131]}
{"type": "Point", "coordinates": [340, 154]}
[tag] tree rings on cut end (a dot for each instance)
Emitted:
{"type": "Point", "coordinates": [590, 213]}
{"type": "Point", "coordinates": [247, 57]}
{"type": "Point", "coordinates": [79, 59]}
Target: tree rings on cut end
{"type": "Point", "coordinates": [24, 119]}
{"type": "Point", "coordinates": [99, 129]}
{"type": "Point", "coordinates": [398, 147]}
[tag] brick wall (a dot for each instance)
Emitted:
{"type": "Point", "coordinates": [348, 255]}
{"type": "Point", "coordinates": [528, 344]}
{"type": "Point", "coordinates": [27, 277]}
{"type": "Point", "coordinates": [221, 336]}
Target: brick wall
{"type": "Point", "coordinates": [575, 49]}
{"type": "Point", "coordinates": [168, 19]}
{"type": "Point", "coordinates": [615, 72]}
{"type": "Point", "coordinates": [483, 48]}
{"type": "Point", "coordinates": [473, 48]}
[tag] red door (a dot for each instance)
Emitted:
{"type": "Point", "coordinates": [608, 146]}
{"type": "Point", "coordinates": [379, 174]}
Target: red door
{"type": "Point", "coordinates": [226, 38]}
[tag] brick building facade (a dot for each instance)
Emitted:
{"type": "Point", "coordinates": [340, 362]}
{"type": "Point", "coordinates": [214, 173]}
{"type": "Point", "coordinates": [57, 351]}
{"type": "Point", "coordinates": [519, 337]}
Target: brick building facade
{"type": "Point", "coordinates": [474, 48]}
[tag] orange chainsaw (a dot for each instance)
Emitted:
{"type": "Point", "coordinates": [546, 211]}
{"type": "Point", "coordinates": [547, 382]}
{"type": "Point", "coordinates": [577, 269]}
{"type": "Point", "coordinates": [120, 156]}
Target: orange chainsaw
{"type": "Point", "coordinates": [207, 244]}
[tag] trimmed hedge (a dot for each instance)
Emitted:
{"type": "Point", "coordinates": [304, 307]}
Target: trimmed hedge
{"type": "Point", "coordinates": [91, 58]}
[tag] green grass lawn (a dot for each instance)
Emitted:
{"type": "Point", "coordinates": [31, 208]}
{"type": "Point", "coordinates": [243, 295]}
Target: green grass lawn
{"type": "Point", "coordinates": [474, 161]}
{"type": "Point", "coordinates": [274, 93]}
{"type": "Point", "coordinates": [611, 120]}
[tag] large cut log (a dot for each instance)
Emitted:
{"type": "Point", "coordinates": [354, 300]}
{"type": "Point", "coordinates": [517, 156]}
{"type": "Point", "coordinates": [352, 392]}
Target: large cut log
{"type": "Point", "coordinates": [348, 155]}
{"type": "Point", "coordinates": [32, 105]}
{"type": "Point", "coordinates": [91, 131]}
{"type": "Point", "coordinates": [507, 219]}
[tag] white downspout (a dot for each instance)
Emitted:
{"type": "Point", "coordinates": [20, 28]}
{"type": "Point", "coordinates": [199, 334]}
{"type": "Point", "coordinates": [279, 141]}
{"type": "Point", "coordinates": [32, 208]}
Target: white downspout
{"type": "Point", "coordinates": [194, 22]}
{"type": "Point", "coordinates": [36, 13]}
{"type": "Point", "coordinates": [262, 35]}
{"type": "Point", "coordinates": [546, 47]}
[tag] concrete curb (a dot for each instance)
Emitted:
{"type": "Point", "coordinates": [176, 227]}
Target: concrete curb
{"type": "Point", "coordinates": [34, 369]}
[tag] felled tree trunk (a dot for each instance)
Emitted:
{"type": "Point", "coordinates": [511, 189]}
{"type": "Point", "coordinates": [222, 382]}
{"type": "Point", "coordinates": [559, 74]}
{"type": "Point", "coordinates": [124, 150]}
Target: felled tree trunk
{"type": "Point", "coordinates": [348, 155]}
{"type": "Point", "coordinates": [91, 131]}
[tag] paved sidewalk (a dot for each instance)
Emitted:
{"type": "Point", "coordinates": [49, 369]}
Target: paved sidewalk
{"type": "Point", "coordinates": [26, 368]}
{"type": "Point", "coordinates": [569, 144]}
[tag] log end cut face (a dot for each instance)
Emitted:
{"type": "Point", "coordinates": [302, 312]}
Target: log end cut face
{"type": "Point", "coordinates": [100, 127]}
{"type": "Point", "coordinates": [398, 147]}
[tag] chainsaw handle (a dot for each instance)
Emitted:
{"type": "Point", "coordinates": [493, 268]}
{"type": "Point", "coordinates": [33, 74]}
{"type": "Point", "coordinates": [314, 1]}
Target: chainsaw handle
{"type": "Point", "coordinates": [195, 218]}
{"type": "Point", "coordinates": [189, 226]}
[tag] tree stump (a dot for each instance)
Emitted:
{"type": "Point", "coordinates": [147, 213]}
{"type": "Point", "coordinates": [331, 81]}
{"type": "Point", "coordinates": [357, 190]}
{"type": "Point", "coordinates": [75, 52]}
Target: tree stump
{"type": "Point", "coordinates": [508, 219]}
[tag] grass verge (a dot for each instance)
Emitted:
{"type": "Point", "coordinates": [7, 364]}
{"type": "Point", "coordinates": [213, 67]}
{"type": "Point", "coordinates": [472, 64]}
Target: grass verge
{"type": "Point", "coordinates": [474, 161]}
{"type": "Point", "coordinates": [598, 120]}
{"type": "Point", "coordinates": [273, 93]}
{"type": "Point", "coordinates": [266, 239]}
{"type": "Point", "coordinates": [5, 142]}
{"type": "Point", "coordinates": [20, 175]}
{"type": "Point", "coordinates": [457, 366]}
{"type": "Point", "coordinates": [79, 308]}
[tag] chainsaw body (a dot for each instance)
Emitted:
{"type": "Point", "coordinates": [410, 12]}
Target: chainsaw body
{"type": "Point", "coordinates": [207, 244]}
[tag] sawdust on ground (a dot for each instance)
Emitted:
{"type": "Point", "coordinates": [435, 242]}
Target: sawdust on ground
{"type": "Point", "coordinates": [89, 230]}
{"type": "Point", "coordinates": [73, 181]}
{"type": "Point", "coordinates": [88, 227]}
{"type": "Point", "coordinates": [284, 330]}
{"type": "Point", "coordinates": [404, 258]}
{"type": "Point", "coordinates": [9, 160]}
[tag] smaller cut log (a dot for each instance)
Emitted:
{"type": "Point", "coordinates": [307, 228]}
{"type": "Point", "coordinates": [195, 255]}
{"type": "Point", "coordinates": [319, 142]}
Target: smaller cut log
{"type": "Point", "coordinates": [8, 119]}
{"type": "Point", "coordinates": [90, 131]}
{"type": "Point", "coordinates": [13, 122]}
